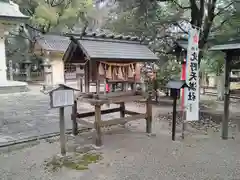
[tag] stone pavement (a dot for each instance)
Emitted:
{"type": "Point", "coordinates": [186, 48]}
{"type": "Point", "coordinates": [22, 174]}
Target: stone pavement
{"type": "Point", "coordinates": [23, 115]}
{"type": "Point", "coordinates": [28, 114]}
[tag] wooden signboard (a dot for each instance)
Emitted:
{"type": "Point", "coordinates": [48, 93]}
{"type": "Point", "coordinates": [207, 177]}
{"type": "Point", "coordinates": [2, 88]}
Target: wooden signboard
{"type": "Point", "coordinates": [61, 98]}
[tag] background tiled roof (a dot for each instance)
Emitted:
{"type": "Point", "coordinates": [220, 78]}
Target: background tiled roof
{"type": "Point", "coordinates": [10, 11]}
{"type": "Point", "coordinates": [54, 42]}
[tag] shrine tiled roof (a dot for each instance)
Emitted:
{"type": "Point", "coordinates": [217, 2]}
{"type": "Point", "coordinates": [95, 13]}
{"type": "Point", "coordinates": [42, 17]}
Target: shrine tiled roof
{"type": "Point", "coordinates": [232, 44]}
{"type": "Point", "coordinates": [110, 46]}
{"type": "Point", "coordinates": [10, 12]}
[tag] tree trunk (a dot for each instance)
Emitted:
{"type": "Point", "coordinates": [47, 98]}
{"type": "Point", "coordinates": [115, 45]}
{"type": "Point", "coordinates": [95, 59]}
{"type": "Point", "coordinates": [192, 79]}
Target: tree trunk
{"type": "Point", "coordinates": [220, 87]}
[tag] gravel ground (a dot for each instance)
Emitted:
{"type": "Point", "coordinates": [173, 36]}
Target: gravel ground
{"type": "Point", "coordinates": [131, 154]}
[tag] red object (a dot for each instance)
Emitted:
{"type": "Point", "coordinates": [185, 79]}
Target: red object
{"type": "Point", "coordinates": [107, 88]}
{"type": "Point", "coordinates": [195, 38]}
{"type": "Point", "coordinates": [183, 77]}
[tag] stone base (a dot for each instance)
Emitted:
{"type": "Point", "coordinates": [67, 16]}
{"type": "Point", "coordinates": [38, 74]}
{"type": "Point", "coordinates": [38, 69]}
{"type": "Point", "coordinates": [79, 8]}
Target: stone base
{"type": "Point", "coordinates": [13, 87]}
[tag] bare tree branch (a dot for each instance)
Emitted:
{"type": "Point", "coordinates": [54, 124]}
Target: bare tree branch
{"type": "Point", "coordinates": [68, 3]}
{"type": "Point", "coordinates": [224, 9]}
{"type": "Point", "coordinates": [219, 26]}
{"type": "Point", "coordinates": [180, 27]}
{"type": "Point", "coordinates": [54, 3]}
{"type": "Point", "coordinates": [24, 37]}
{"type": "Point", "coordinates": [180, 6]}
{"type": "Point", "coordinates": [36, 29]}
{"type": "Point", "coordinates": [11, 53]}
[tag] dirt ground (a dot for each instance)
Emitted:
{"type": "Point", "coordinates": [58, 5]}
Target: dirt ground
{"type": "Point", "coordinates": [130, 154]}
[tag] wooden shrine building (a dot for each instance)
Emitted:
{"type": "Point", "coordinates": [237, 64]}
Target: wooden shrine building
{"type": "Point", "coordinates": [231, 48]}
{"type": "Point", "coordinates": [109, 59]}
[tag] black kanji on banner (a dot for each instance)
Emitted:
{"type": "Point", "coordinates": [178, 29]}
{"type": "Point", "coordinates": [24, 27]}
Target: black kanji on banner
{"type": "Point", "coordinates": [193, 76]}
{"type": "Point", "coordinates": [192, 85]}
{"type": "Point", "coordinates": [194, 57]}
{"type": "Point", "coordinates": [191, 96]}
{"type": "Point", "coordinates": [194, 66]}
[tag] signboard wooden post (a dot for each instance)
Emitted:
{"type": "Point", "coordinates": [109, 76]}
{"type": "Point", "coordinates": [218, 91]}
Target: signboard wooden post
{"type": "Point", "coordinates": [60, 97]}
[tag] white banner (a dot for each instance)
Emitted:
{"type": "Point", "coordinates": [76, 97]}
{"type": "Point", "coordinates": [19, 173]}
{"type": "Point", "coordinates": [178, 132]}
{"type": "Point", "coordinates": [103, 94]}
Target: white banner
{"type": "Point", "coordinates": [192, 77]}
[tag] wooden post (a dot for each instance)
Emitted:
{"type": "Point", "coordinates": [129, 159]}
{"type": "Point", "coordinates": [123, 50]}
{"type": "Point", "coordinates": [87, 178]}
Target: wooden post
{"type": "Point", "coordinates": [149, 114]}
{"type": "Point", "coordinates": [79, 74]}
{"type": "Point", "coordinates": [10, 70]}
{"type": "Point", "coordinates": [135, 83]}
{"type": "Point", "coordinates": [86, 78]}
{"type": "Point", "coordinates": [98, 125]}
{"type": "Point", "coordinates": [74, 119]}
{"type": "Point", "coordinates": [174, 114]}
{"type": "Point", "coordinates": [105, 84]}
{"type": "Point", "coordinates": [122, 110]}
{"type": "Point", "coordinates": [98, 86]}
{"type": "Point", "coordinates": [125, 86]}
{"type": "Point", "coordinates": [113, 88]}
{"type": "Point", "coordinates": [62, 131]}
{"type": "Point", "coordinates": [226, 96]}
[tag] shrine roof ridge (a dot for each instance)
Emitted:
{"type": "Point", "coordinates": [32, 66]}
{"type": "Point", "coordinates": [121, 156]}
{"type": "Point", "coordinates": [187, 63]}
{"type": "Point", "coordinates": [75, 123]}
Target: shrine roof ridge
{"type": "Point", "coordinates": [109, 37]}
{"type": "Point", "coordinates": [60, 41]}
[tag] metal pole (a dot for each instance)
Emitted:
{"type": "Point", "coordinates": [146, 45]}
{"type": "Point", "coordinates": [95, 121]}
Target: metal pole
{"type": "Point", "coordinates": [183, 114]}
{"type": "Point", "coordinates": [174, 114]}
{"type": "Point", "coordinates": [226, 96]}
{"type": "Point", "coordinates": [62, 131]}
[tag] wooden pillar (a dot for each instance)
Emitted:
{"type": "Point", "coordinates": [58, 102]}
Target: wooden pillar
{"type": "Point", "coordinates": [86, 78]}
{"type": "Point", "coordinates": [122, 110]}
{"type": "Point", "coordinates": [28, 70]}
{"type": "Point", "coordinates": [10, 70]}
{"type": "Point", "coordinates": [79, 76]}
{"type": "Point", "coordinates": [47, 70]}
{"type": "Point", "coordinates": [74, 119]}
{"type": "Point", "coordinates": [226, 96]}
{"type": "Point", "coordinates": [149, 114]}
{"type": "Point", "coordinates": [98, 141]}
{"type": "Point", "coordinates": [98, 86]}
{"type": "Point", "coordinates": [135, 83]}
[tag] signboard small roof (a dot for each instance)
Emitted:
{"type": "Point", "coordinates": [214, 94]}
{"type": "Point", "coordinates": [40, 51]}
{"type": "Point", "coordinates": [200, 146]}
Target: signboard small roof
{"type": "Point", "coordinates": [50, 89]}
{"type": "Point", "coordinates": [177, 84]}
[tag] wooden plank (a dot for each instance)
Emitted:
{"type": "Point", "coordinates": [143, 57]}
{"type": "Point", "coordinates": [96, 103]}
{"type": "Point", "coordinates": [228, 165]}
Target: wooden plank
{"type": "Point", "coordinates": [127, 99]}
{"type": "Point", "coordinates": [85, 122]}
{"type": "Point", "coordinates": [92, 113]}
{"type": "Point", "coordinates": [122, 120]}
{"type": "Point", "coordinates": [117, 94]}
{"type": "Point", "coordinates": [131, 112]}
{"type": "Point", "coordinates": [106, 99]}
